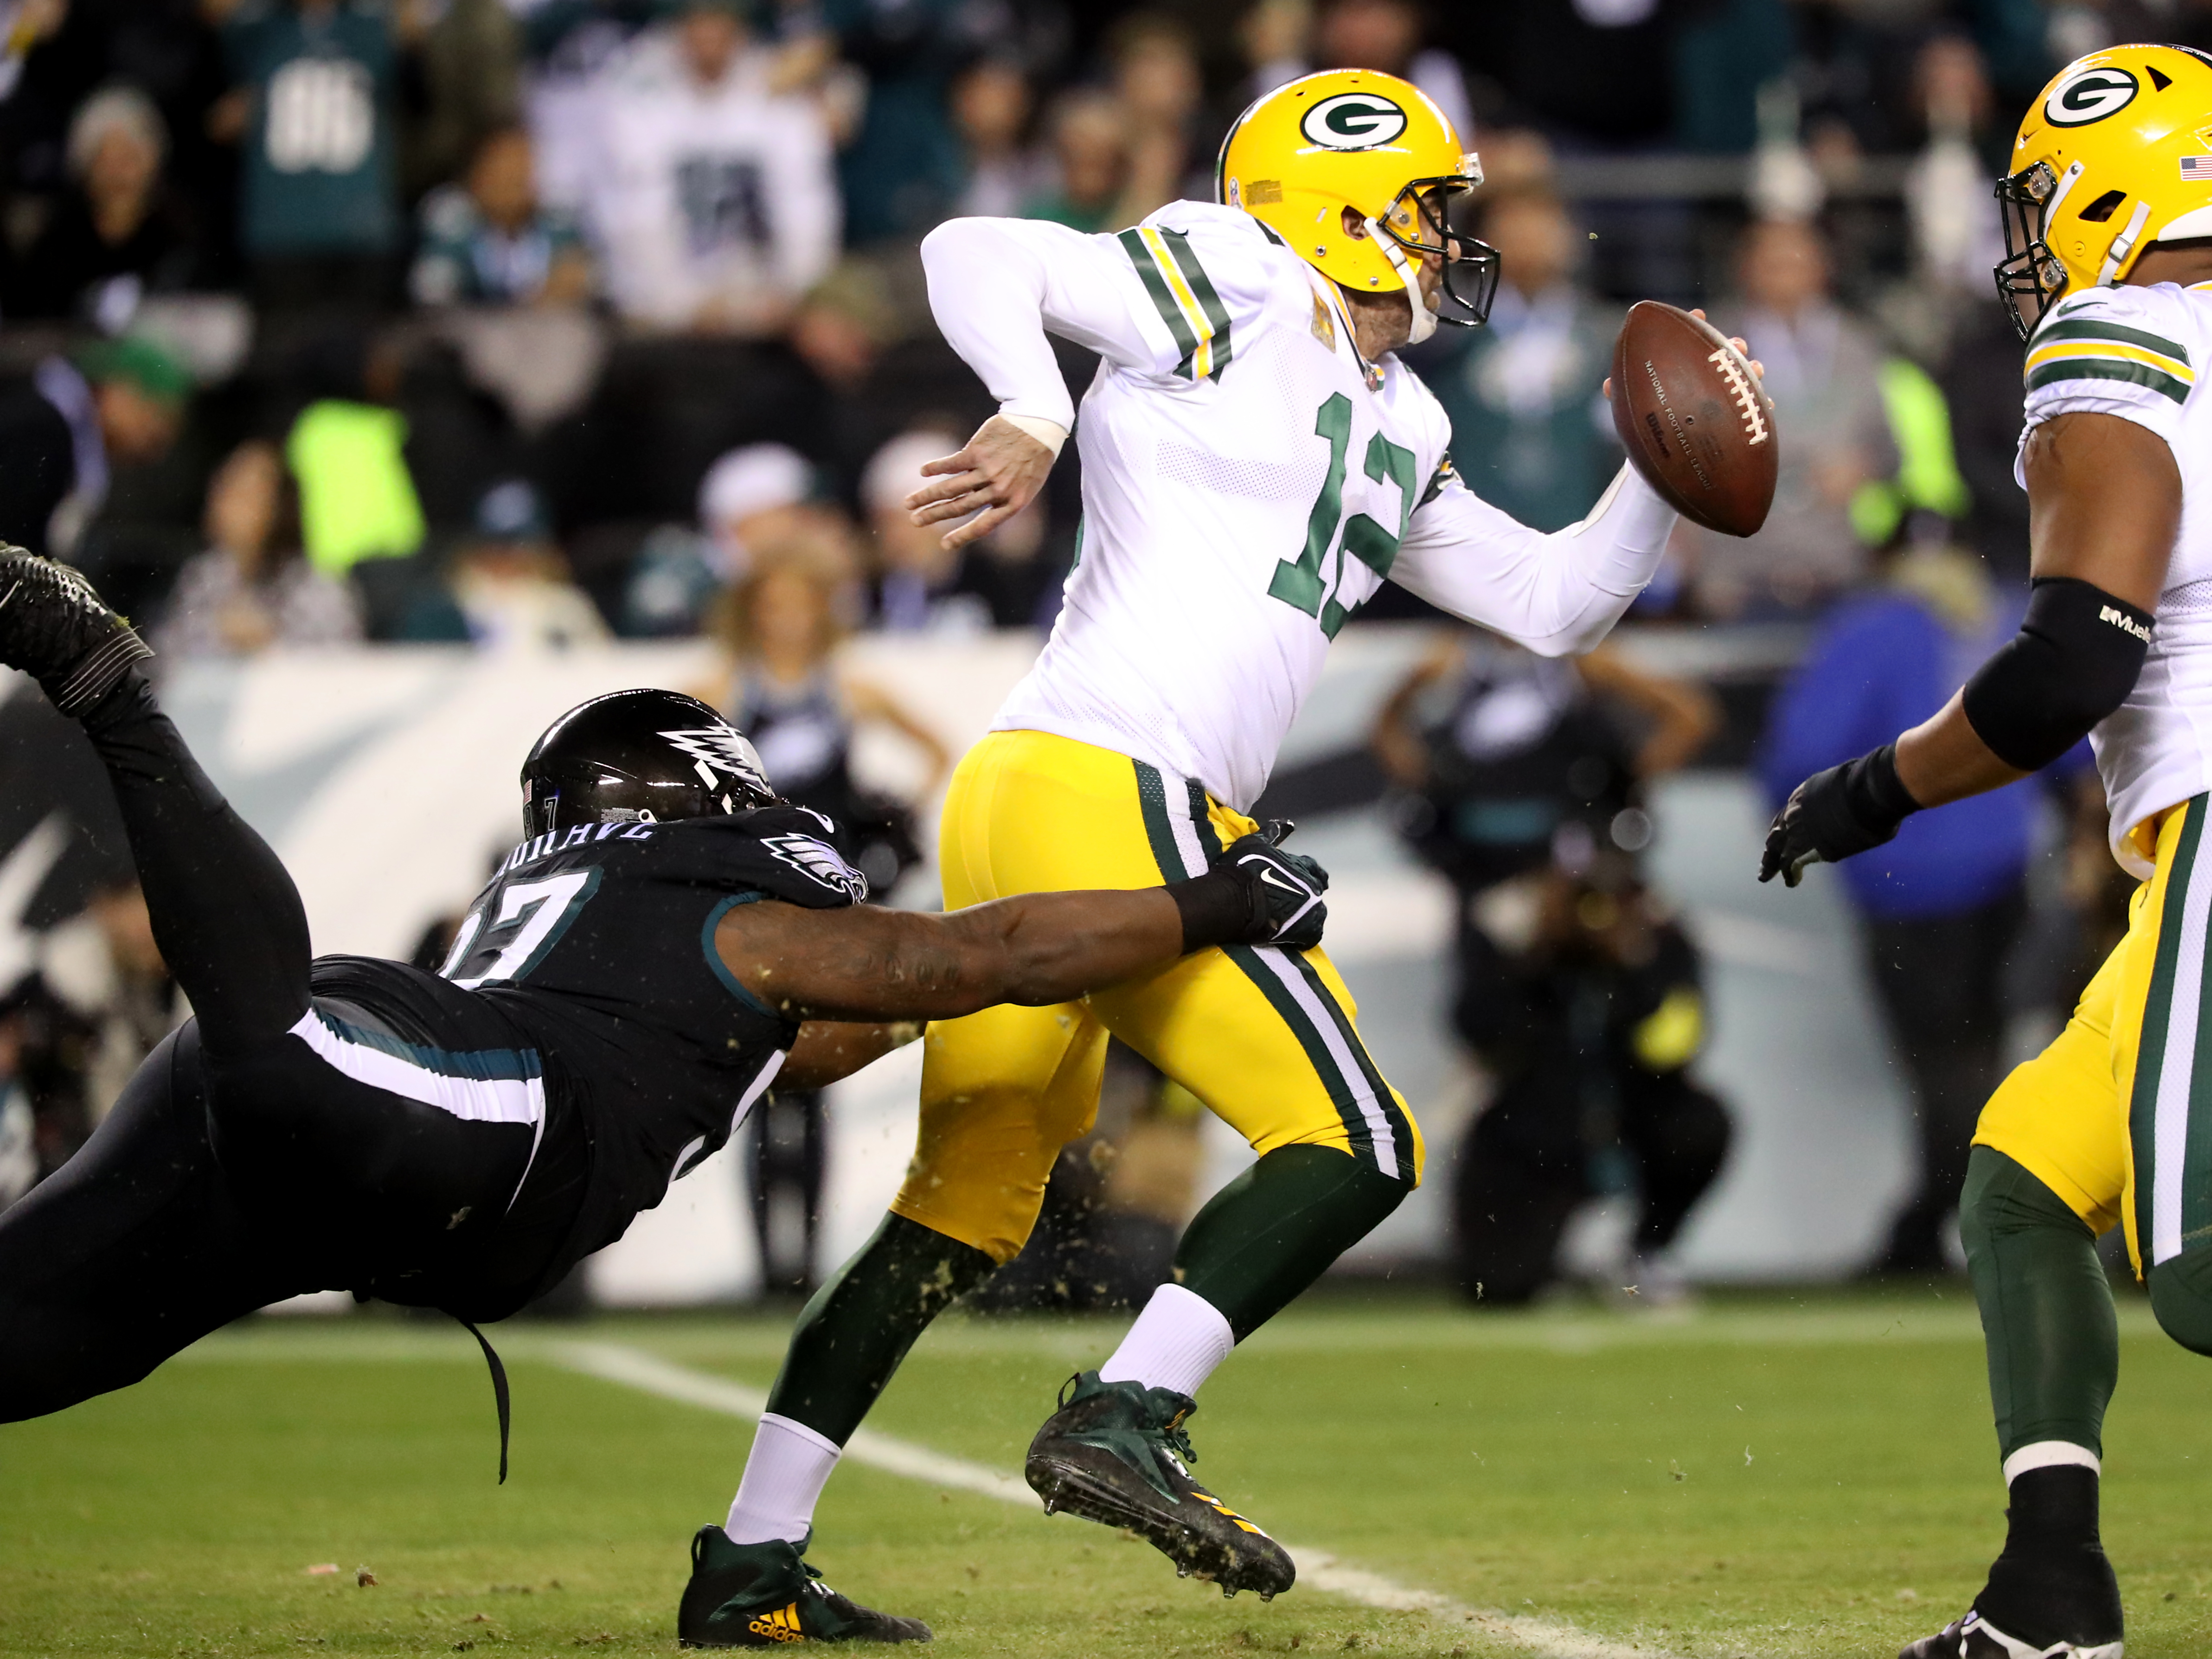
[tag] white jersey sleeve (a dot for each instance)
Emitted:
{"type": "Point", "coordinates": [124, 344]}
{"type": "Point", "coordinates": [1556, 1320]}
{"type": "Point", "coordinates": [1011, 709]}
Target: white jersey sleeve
{"type": "Point", "coordinates": [1557, 594]}
{"type": "Point", "coordinates": [1163, 300]}
{"type": "Point", "coordinates": [2123, 351]}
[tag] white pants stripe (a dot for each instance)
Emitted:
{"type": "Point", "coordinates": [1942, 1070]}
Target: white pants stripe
{"type": "Point", "coordinates": [2177, 1066]}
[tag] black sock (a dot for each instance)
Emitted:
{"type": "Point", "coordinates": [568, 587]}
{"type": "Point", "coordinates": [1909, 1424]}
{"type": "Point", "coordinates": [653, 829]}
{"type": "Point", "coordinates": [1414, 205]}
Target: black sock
{"type": "Point", "coordinates": [851, 1337]}
{"type": "Point", "coordinates": [2053, 1583]}
{"type": "Point", "coordinates": [224, 911]}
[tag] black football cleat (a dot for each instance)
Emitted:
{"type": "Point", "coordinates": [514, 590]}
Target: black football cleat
{"type": "Point", "coordinates": [56, 628]}
{"type": "Point", "coordinates": [765, 1595]}
{"type": "Point", "coordinates": [1975, 1637]}
{"type": "Point", "coordinates": [1116, 1453]}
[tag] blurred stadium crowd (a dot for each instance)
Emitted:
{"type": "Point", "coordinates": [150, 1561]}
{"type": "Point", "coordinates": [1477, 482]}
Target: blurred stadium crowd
{"type": "Point", "coordinates": [540, 323]}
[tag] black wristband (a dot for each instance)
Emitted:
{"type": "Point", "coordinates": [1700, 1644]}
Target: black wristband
{"type": "Point", "coordinates": [1216, 909]}
{"type": "Point", "coordinates": [1877, 795]}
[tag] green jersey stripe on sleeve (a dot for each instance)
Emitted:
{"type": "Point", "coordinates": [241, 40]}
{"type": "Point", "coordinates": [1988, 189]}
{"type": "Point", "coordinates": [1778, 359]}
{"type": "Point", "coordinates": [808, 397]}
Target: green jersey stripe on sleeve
{"type": "Point", "coordinates": [1209, 302]}
{"type": "Point", "coordinates": [2096, 329]}
{"type": "Point", "coordinates": [1162, 298]}
{"type": "Point", "coordinates": [2109, 368]}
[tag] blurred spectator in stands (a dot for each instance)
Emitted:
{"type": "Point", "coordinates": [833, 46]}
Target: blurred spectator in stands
{"type": "Point", "coordinates": [1823, 373]}
{"type": "Point", "coordinates": [1591, 75]}
{"type": "Point", "coordinates": [1574, 987]}
{"type": "Point", "coordinates": [1386, 36]}
{"type": "Point", "coordinates": [992, 105]}
{"type": "Point", "coordinates": [319, 220]}
{"type": "Point", "coordinates": [1156, 79]}
{"type": "Point", "coordinates": [921, 586]}
{"type": "Point", "coordinates": [1275, 38]}
{"type": "Point", "coordinates": [347, 450]}
{"type": "Point", "coordinates": [488, 241]}
{"type": "Point", "coordinates": [843, 324]}
{"type": "Point", "coordinates": [778, 627]}
{"type": "Point", "coordinates": [468, 87]}
{"type": "Point", "coordinates": [19, 1124]}
{"type": "Point", "coordinates": [756, 497]}
{"type": "Point", "coordinates": [118, 233]}
{"type": "Point", "coordinates": [714, 200]}
{"type": "Point", "coordinates": [1944, 901]}
{"type": "Point", "coordinates": [66, 427]}
{"type": "Point", "coordinates": [254, 587]}
{"type": "Point", "coordinates": [902, 170]}
{"type": "Point", "coordinates": [778, 682]}
{"type": "Point", "coordinates": [96, 1001]}
{"type": "Point", "coordinates": [1091, 154]}
{"type": "Point", "coordinates": [1981, 388]}
{"type": "Point", "coordinates": [511, 583]}
{"type": "Point", "coordinates": [1530, 430]}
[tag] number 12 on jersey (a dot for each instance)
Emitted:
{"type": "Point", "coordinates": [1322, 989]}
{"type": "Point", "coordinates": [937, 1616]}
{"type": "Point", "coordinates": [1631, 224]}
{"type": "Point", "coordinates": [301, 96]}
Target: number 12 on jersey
{"type": "Point", "coordinates": [1301, 583]}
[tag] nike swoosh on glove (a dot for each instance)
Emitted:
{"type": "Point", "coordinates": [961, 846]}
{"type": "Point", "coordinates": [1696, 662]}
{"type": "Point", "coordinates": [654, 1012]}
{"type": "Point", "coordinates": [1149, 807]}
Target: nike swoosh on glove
{"type": "Point", "coordinates": [1284, 888]}
{"type": "Point", "coordinates": [1834, 814]}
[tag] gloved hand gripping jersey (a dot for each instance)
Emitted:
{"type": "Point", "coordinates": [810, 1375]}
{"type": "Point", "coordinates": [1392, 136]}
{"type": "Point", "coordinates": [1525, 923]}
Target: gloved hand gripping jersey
{"type": "Point", "coordinates": [1254, 894]}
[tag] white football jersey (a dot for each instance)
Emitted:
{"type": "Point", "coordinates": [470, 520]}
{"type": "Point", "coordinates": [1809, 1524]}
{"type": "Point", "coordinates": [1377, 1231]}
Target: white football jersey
{"type": "Point", "coordinates": [694, 193]}
{"type": "Point", "coordinates": [1248, 483]}
{"type": "Point", "coordinates": [2132, 352]}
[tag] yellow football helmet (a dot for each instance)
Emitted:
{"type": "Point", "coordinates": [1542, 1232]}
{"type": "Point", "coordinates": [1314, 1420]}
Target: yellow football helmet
{"type": "Point", "coordinates": [2114, 154]}
{"type": "Point", "coordinates": [1371, 142]}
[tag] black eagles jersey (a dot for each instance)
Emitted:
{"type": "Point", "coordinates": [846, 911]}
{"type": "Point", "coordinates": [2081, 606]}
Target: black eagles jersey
{"type": "Point", "coordinates": [598, 944]}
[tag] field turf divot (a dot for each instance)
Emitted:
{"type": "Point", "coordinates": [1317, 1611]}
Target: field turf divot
{"type": "Point", "coordinates": [634, 1368]}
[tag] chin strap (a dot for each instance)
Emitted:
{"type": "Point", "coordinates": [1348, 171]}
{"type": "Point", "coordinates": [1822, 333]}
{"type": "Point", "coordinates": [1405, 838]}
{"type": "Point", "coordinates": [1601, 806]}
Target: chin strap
{"type": "Point", "coordinates": [1424, 320]}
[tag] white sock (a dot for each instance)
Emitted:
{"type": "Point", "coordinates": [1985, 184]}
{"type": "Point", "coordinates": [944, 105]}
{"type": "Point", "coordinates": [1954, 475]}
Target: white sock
{"type": "Point", "coordinates": [784, 1476]}
{"type": "Point", "coordinates": [1175, 1343]}
{"type": "Point", "coordinates": [2048, 1454]}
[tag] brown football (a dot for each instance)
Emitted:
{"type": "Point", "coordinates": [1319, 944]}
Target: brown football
{"type": "Point", "coordinates": [1694, 418]}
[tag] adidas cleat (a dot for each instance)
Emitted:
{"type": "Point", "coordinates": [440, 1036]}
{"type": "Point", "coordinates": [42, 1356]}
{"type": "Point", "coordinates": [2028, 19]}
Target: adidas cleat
{"type": "Point", "coordinates": [1116, 1453]}
{"type": "Point", "coordinates": [1975, 1637]}
{"type": "Point", "coordinates": [763, 1596]}
{"type": "Point", "coordinates": [56, 628]}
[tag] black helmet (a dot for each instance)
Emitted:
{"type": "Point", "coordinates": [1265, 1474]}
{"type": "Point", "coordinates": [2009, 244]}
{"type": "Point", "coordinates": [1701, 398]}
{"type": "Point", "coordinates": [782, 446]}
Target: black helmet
{"type": "Point", "coordinates": [642, 754]}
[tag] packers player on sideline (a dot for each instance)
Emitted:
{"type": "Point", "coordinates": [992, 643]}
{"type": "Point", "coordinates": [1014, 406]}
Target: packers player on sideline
{"type": "Point", "coordinates": [2108, 219]}
{"type": "Point", "coordinates": [1255, 463]}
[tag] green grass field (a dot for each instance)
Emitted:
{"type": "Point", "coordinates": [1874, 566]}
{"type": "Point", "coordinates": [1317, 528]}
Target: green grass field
{"type": "Point", "coordinates": [1771, 1476]}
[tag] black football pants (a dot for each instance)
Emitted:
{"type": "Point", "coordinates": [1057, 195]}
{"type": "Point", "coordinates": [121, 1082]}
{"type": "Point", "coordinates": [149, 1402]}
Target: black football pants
{"type": "Point", "coordinates": [237, 1168]}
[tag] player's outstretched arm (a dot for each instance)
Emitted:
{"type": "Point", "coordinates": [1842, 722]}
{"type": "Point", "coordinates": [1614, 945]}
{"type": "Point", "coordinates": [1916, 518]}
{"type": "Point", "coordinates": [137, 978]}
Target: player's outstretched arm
{"type": "Point", "coordinates": [1557, 594]}
{"type": "Point", "coordinates": [871, 964]}
{"type": "Point", "coordinates": [2104, 506]}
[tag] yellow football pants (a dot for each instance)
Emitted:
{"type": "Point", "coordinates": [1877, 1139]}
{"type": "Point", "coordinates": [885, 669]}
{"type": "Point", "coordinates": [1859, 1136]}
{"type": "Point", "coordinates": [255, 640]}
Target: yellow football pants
{"type": "Point", "coordinates": [2116, 1115]}
{"type": "Point", "coordinates": [1266, 1037]}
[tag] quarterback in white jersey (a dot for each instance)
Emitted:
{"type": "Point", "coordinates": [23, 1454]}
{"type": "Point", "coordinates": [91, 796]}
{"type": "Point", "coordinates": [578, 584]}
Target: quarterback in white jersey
{"type": "Point", "coordinates": [1255, 463]}
{"type": "Point", "coordinates": [2109, 231]}
{"type": "Point", "coordinates": [1250, 479]}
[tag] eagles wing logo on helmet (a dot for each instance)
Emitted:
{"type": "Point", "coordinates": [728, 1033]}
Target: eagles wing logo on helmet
{"type": "Point", "coordinates": [1353, 120]}
{"type": "Point", "coordinates": [2089, 97]}
{"type": "Point", "coordinates": [818, 862]}
{"type": "Point", "coordinates": [716, 749]}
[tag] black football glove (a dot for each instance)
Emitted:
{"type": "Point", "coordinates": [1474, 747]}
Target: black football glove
{"type": "Point", "coordinates": [1285, 888]}
{"type": "Point", "coordinates": [1254, 894]}
{"type": "Point", "coordinates": [1835, 814]}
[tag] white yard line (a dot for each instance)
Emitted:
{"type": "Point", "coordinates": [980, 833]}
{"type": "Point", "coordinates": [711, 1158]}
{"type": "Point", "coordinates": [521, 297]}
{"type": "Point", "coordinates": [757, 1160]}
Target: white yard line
{"type": "Point", "coordinates": [634, 1368]}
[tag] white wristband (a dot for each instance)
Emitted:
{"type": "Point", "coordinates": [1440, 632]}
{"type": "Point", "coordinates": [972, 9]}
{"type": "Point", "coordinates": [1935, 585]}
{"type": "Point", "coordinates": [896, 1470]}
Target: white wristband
{"type": "Point", "coordinates": [1051, 433]}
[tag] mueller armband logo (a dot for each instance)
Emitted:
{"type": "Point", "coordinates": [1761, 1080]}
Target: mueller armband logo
{"type": "Point", "coordinates": [2120, 619]}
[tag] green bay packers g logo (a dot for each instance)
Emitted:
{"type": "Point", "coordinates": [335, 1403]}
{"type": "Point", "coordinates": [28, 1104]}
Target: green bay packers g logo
{"type": "Point", "coordinates": [1353, 120]}
{"type": "Point", "coordinates": [2089, 97]}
